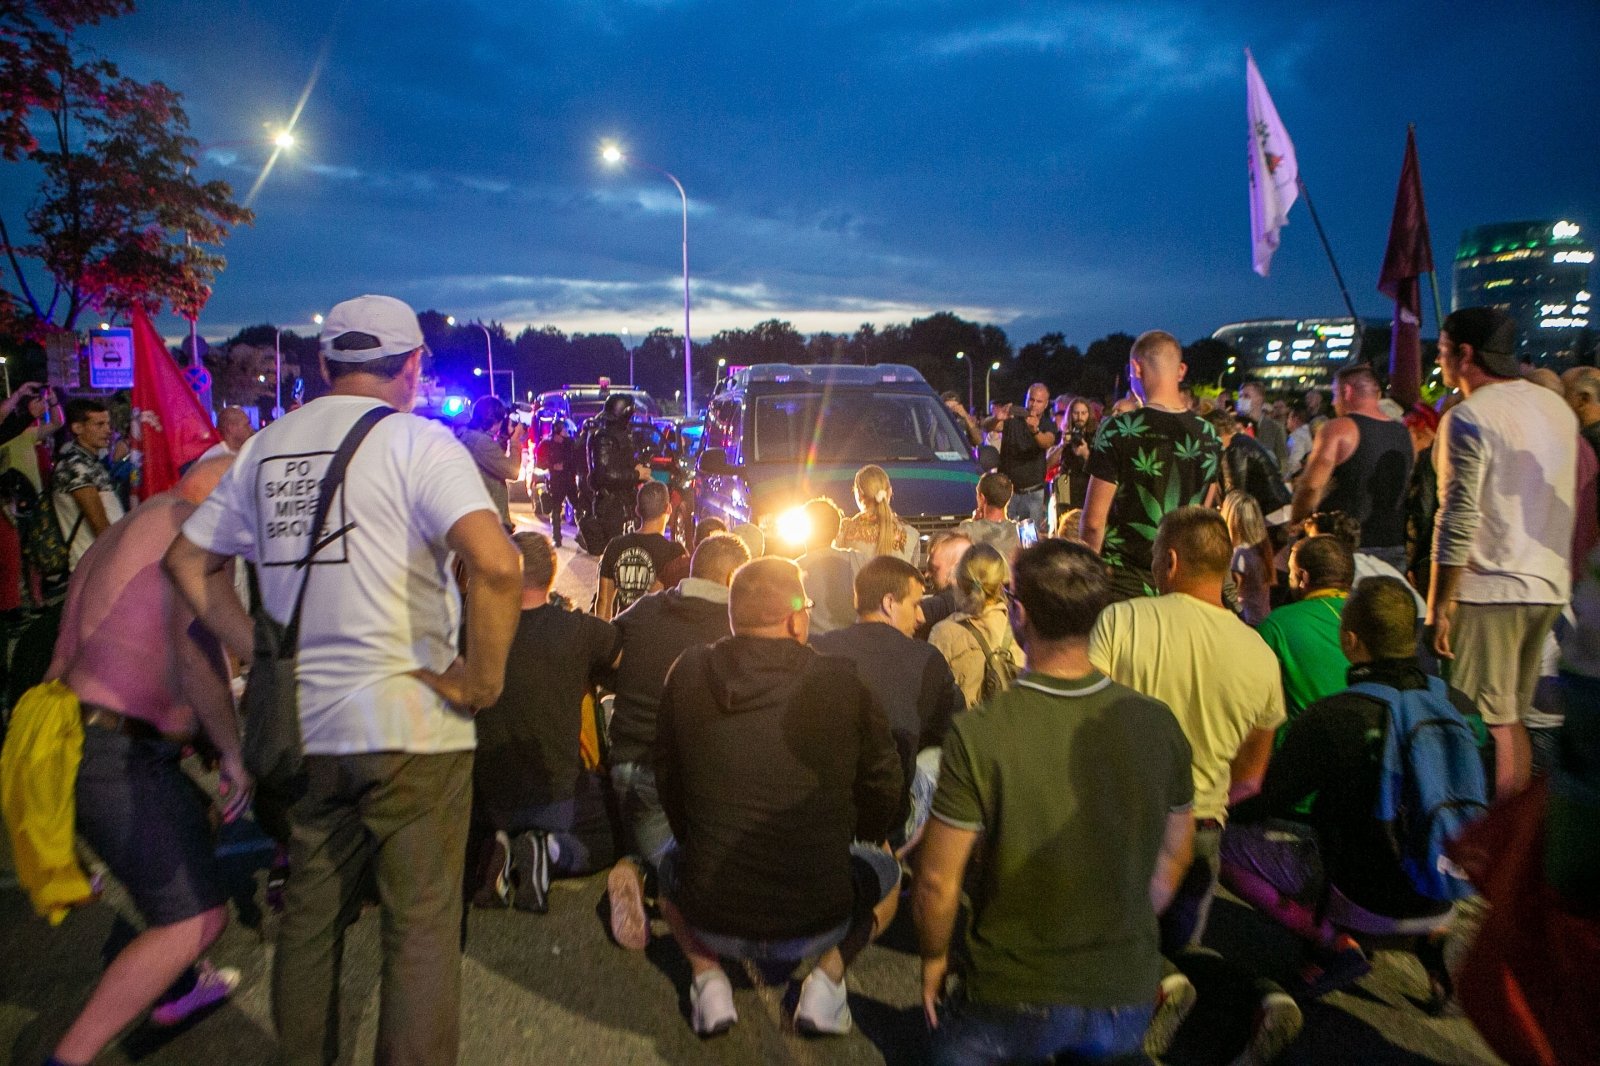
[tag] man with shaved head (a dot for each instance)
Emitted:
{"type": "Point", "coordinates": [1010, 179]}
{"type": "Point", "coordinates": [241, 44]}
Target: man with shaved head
{"type": "Point", "coordinates": [1146, 463]}
{"type": "Point", "coordinates": [781, 781]}
{"type": "Point", "coordinates": [1360, 463]}
{"type": "Point", "coordinates": [234, 425]}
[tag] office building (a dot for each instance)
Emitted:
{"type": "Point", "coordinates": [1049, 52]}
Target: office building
{"type": "Point", "coordinates": [1301, 353]}
{"type": "Point", "coordinates": [1539, 274]}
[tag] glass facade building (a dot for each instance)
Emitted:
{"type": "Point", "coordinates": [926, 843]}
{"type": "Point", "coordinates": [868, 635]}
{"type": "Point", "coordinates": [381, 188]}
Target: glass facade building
{"type": "Point", "coordinates": [1301, 353]}
{"type": "Point", "coordinates": [1539, 274]}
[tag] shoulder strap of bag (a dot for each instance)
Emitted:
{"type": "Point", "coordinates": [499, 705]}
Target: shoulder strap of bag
{"type": "Point", "coordinates": [972, 626]}
{"type": "Point", "coordinates": [330, 485]}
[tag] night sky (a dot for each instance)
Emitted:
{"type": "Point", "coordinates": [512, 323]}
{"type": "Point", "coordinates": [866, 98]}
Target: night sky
{"type": "Point", "coordinates": [1075, 167]}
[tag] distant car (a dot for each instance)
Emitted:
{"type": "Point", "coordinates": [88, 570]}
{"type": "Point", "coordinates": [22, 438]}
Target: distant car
{"type": "Point", "coordinates": [776, 434]}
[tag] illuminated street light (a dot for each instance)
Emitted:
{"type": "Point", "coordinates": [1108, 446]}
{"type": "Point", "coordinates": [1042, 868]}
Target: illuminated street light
{"type": "Point", "coordinates": [962, 357]}
{"type": "Point", "coordinates": [488, 348]}
{"type": "Point", "coordinates": [477, 372]}
{"type": "Point", "coordinates": [5, 366]}
{"type": "Point", "coordinates": [284, 140]}
{"type": "Point", "coordinates": [611, 152]}
{"type": "Point", "coordinates": [987, 402]}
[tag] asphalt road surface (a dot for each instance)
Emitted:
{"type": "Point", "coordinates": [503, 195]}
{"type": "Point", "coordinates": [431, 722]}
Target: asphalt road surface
{"type": "Point", "coordinates": [553, 989]}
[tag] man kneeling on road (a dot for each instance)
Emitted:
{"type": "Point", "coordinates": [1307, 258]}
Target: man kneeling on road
{"type": "Point", "coordinates": [149, 681]}
{"type": "Point", "coordinates": [1078, 792]}
{"type": "Point", "coordinates": [780, 781]}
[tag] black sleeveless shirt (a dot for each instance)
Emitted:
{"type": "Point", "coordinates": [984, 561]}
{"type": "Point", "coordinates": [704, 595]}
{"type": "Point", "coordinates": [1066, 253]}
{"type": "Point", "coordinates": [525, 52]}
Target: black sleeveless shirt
{"type": "Point", "coordinates": [1370, 486]}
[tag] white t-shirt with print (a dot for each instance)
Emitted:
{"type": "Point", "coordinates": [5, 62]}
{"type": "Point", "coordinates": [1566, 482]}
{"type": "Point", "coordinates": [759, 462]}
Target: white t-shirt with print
{"type": "Point", "coordinates": [381, 600]}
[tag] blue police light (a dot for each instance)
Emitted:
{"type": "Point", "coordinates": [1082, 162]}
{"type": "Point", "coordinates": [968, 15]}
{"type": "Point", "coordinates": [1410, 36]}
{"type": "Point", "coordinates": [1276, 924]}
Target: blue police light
{"type": "Point", "coordinates": [453, 405]}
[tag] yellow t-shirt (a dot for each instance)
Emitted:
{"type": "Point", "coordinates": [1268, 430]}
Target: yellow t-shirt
{"type": "Point", "coordinates": [1220, 679]}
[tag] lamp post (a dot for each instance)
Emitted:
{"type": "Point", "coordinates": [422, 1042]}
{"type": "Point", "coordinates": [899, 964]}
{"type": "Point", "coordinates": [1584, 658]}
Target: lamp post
{"type": "Point", "coordinates": [962, 357]}
{"type": "Point", "coordinates": [5, 366]}
{"type": "Point", "coordinates": [488, 350]}
{"type": "Point", "coordinates": [627, 342]}
{"type": "Point", "coordinates": [987, 402]}
{"type": "Point", "coordinates": [478, 372]}
{"type": "Point", "coordinates": [282, 141]}
{"type": "Point", "coordinates": [612, 154]}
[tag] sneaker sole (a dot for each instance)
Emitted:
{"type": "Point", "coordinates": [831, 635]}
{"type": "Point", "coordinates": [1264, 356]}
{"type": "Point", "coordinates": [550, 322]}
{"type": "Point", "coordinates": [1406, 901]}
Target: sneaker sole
{"type": "Point", "coordinates": [1168, 1019]}
{"type": "Point", "coordinates": [630, 928]}
{"type": "Point", "coordinates": [529, 866]}
{"type": "Point", "coordinates": [1273, 1036]}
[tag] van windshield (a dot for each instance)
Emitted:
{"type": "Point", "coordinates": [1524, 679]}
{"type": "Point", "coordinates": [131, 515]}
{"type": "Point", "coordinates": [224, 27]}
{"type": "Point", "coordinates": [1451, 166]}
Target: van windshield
{"type": "Point", "coordinates": [855, 426]}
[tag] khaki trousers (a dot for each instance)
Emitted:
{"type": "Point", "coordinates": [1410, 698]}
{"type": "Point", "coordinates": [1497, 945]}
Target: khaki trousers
{"type": "Point", "coordinates": [397, 822]}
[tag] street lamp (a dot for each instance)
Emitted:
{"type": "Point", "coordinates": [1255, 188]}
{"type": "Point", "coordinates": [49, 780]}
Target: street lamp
{"type": "Point", "coordinates": [488, 349]}
{"type": "Point", "coordinates": [477, 372]}
{"type": "Point", "coordinates": [987, 402]}
{"type": "Point", "coordinates": [7, 368]}
{"type": "Point", "coordinates": [627, 342]}
{"type": "Point", "coordinates": [962, 357]}
{"type": "Point", "coordinates": [282, 141]}
{"type": "Point", "coordinates": [613, 156]}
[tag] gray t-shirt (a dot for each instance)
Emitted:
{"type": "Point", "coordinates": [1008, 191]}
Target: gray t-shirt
{"type": "Point", "coordinates": [1002, 536]}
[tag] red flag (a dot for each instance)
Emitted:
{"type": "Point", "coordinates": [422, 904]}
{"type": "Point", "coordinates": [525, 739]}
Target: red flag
{"type": "Point", "coordinates": [1408, 257]}
{"type": "Point", "coordinates": [170, 427]}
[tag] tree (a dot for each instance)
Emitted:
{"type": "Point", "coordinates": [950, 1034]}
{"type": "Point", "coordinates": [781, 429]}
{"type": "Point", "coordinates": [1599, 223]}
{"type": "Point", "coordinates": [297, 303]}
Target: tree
{"type": "Point", "coordinates": [1207, 360]}
{"type": "Point", "coordinates": [118, 220]}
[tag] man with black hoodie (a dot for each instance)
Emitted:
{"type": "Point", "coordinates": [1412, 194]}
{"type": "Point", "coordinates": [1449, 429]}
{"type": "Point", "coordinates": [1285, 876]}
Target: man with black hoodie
{"type": "Point", "coordinates": [779, 776]}
{"type": "Point", "coordinates": [655, 631]}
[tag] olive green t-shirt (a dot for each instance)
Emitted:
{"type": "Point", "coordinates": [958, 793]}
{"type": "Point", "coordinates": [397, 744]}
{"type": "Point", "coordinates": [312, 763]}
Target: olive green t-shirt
{"type": "Point", "coordinates": [1070, 783]}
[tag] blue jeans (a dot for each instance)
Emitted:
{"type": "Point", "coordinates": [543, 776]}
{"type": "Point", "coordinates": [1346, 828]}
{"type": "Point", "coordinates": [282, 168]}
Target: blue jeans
{"type": "Point", "coordinates": [649, 835]}
{"type": "Point", "coordinates": [1028, 505]}
{"type": "Point", "coordinates": [971, 1033]}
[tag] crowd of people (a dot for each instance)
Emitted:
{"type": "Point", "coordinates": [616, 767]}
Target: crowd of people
{"type": "Point", "coordinates": [1290, 650]}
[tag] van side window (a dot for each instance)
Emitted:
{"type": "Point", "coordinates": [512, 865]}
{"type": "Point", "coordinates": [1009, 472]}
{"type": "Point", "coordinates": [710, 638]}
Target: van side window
{"type": "Point", "coordinates": [724, 428]}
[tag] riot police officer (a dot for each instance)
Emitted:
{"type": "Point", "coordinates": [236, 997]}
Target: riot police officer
{"type": "Point", "coordinates": [614, 472]}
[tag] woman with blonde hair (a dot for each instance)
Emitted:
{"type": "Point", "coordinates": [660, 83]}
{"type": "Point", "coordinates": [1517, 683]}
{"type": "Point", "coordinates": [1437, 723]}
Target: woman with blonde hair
{"type": "Point", "coordinates": [1252, 567]}
{"type": "Point", "coordinates": [876, 529]}
{"type": "Point", "coordinates": [979, 633]}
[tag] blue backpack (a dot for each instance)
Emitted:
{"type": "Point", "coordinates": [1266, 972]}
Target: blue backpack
{"type": "Point", "coordinates": [1431, 785]}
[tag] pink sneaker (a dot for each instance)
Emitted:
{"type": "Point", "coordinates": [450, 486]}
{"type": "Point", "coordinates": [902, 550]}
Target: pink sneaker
{"type": "Point", "coordinates": [212, 985]}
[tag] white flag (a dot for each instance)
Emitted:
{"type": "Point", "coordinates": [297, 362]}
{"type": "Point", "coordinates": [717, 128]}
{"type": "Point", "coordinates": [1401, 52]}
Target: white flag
{"type": "Point", "coordinates": [1274, 174]}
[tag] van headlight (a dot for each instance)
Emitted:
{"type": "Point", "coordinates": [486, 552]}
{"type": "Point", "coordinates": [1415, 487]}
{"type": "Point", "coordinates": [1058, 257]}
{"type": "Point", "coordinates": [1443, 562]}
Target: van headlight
{"type": "Point", "coordinates": [794, 527]}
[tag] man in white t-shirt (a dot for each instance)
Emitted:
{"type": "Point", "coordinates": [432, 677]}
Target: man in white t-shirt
{"type": "Point", "coordinates": [1222, 682]}
{"type": "Point", "coordinates": [1507, 460]}
{"type": "Point", "coordinates": [234, 425]}
{"type": "Point", "coordinates": [386, 703]}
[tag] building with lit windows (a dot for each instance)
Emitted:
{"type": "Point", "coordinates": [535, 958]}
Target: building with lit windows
{"type": "Point", "coordinates": [1301, 353]}
{"type": "Point", "coordinates": [1538, 273]}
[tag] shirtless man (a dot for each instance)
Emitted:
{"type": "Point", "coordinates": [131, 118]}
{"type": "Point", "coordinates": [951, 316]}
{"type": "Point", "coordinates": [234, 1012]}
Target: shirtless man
{"type": "Point", "coordinates": [150, 681]}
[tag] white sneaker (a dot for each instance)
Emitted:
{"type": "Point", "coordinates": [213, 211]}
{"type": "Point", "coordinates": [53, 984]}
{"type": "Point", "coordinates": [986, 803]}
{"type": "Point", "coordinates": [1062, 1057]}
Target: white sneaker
{"type": "Point", "coordinates": [824, 1007]}
{"type": "Point", "coordinates": [1278, 1022]}
{"type": "Point", "coordinates": [212, 985]}
{"type": "Point", "coordinates": [711, 1010]}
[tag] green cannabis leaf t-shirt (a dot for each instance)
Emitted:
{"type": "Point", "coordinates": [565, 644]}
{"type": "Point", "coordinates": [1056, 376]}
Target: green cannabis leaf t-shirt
{"type": "Point", "coordinates": [1159, 461]}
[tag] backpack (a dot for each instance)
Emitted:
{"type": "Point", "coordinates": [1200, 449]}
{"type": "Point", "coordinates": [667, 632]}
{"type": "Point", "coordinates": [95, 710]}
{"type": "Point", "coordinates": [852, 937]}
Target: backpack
{"type": "Point", "coordinates": [1430, 786]}
{"type": "Point", "coordinates": [43, 547]}
{"type": "Point", "coordinates": [999, 669]}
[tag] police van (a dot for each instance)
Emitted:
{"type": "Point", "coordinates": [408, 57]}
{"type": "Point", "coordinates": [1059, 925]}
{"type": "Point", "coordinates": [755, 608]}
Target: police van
{"type": "Point", "coordinates": [777, 434]}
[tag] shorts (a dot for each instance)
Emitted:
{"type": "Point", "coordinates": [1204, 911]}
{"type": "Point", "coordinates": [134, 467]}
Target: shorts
{"type": "Point", "coordinates": [874, 872]}
{"type": "Point", "coordinates": [1498, 647]}
{"type": "Point", "coordinates": [150, 823]}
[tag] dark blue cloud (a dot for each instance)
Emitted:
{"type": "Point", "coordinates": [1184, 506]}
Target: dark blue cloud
{"type": "Point", "coordinates": [1047, 166]}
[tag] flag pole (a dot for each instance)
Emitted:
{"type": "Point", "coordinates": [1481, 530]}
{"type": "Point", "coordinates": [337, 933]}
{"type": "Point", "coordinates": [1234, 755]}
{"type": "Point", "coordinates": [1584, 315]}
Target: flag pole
{"type": "Point", "coordinates": [1326, 247]}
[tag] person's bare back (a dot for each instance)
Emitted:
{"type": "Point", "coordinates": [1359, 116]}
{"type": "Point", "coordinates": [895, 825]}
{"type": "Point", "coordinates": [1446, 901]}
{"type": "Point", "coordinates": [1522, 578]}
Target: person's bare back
{"type": "Point", "coordinates": [127, 641]}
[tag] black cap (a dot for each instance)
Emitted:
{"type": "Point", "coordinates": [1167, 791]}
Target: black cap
{"type": "Point", "coordinates": [1491, 333]}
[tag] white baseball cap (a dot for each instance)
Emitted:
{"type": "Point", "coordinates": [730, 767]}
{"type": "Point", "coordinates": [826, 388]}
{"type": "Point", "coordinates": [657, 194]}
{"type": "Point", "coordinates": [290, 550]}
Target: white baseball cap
{"type": "Point", "coordinates": [368, 328]}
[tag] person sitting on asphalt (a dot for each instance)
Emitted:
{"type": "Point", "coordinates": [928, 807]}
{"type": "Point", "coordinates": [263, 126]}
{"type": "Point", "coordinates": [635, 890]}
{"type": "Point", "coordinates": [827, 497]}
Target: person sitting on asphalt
{"type": "Point", "coordinates": [989, 524]}
{"type": "Point", "coordinates": [939, 602]}
{"type": "Point", "coordinates": [655, 631]}
{"type": "Point", "coordinates": [781, 782]}
{"type": "Point", "coordinates": [828, 572]}
{"type": "Point", "coordinates": [875, 529]}
{"type": "Point", "coordinates": [1338, 868]}
{"type": "Point", "coordinates": [909, 679]}
{"type": "Point", "coordinates": [536, 813]}
{"type": "Point", "coordinates": [1076, 792]}
{"type": "Point", "coordinates": [977, 640]}
{"type": "Point", "coordinates": [1186, 649]}
{"type": "Point", "coordinates": [1304, 635]}
{"type": "Point", "coordinates": [632, 561]}
{"type": "Point", "coordinates": [148, 682]}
